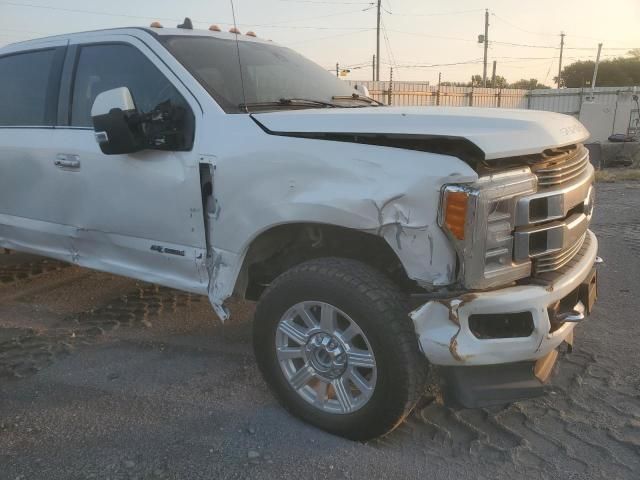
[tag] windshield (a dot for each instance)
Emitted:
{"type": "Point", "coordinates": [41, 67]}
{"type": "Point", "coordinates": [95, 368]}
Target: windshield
{"type": "Point", "coordinates": [270, 73]}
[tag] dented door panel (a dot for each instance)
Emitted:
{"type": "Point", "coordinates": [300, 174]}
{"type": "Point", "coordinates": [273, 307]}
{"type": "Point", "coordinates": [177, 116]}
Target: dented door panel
{"type": "Point", "coordinates": [139, 214]}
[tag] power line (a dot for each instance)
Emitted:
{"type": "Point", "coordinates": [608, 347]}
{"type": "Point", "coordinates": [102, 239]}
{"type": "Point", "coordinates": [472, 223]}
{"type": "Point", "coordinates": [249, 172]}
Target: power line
{"type": "Point", "coordinates": [344, 34]}
{"type": "Point", "coordinates": [297, 27]}
{"type": "Point", "coordinates": [388, 43]}
{"type": "Point", "coordinates": [24, 31]}
{"type": "Point", "coordinates": [497, 42]}
{"type": "Point", "coordinates": [546, 77]}
{"type": "Point", "coordinates": [468, 62]}
{"type": "Point", "coordinates": [426, 35]}
{"type": "Point", "coordinates": [93, 12]}
{"type": "Point", "coordinates": [436, 14]}
{"type": "Point", "coordinates": [547, 34]}
{"type": "Point", "coordinates": [358, 65]}
{"type": "Point", "coordinates": [604, 48]}
{"type": "Point", "coordinates": [319, 2]}
{"type": "Point", "coordinates": [507, 60]}
{"type": "Point", "coordinates": [344, 31]}
{"type": "Point", "coordinates": [266, 25]}
{"type": "Point", "coordinates": [312, 18]}
{"type": "Point", "coordinates": [480, 60]}
{"type": "Point", "coordinates": [511, 44]}
{"type": "Point", "coordinates": [352, 65]}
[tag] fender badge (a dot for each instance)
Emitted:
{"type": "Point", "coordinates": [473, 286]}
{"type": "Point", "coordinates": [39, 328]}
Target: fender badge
{"type": "Point", "coordinates": [170, 251]}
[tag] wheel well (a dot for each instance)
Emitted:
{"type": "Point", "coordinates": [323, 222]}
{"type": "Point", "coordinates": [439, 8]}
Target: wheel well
{"type": "Point", "coordinates": [282, 247]}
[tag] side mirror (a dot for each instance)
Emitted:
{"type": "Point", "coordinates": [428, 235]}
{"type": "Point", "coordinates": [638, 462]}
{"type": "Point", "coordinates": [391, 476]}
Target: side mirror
{"type": "Point", "coordinates": [111, 113]}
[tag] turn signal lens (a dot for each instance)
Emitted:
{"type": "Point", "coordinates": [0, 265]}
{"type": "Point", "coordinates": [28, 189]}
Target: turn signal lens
{"type": "Point", "coordinates": [456, 212]}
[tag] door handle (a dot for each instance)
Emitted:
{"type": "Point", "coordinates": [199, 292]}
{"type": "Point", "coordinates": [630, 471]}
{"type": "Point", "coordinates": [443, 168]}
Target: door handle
{"type": "Point", "coordinates": [67, 162]}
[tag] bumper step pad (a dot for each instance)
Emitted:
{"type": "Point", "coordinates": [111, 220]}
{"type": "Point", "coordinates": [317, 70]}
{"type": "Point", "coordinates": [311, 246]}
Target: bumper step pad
{"type": "Point", "coordinates": [488, 385]}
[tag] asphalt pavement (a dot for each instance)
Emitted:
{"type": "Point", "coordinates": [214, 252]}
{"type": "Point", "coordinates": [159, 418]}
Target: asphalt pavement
{"type": "Point", "coordinates": [105, 377]}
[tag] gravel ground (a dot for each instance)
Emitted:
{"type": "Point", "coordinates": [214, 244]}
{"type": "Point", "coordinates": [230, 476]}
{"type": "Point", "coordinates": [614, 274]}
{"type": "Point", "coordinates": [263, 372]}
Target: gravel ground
{"type": "Point", "coordinates": [104, 377]}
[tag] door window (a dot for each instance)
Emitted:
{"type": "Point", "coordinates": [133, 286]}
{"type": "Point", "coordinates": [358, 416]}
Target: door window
{"type": "Point", "coordinates": [24, 81]}
{"type": "Point", "coordinates": [104, 67]}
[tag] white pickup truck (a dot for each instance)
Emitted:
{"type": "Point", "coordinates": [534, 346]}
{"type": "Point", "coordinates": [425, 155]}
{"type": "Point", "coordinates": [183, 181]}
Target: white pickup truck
{"type": "Point", "coordinates": [381, 242]}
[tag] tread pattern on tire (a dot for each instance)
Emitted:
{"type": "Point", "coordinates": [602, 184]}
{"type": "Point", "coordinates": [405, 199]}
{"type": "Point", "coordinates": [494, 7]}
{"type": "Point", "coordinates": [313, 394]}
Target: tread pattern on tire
{"type": "Point", "coordinates": [392, 316]}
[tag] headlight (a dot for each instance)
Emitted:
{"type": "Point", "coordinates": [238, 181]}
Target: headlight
{"type": "Point", "coordinates": [480, 220]}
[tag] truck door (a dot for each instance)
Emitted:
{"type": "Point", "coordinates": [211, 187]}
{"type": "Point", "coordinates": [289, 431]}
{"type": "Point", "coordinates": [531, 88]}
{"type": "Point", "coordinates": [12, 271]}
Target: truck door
{"type": "Point", "coordinates": [31, 216]}
{"type": "Point", "coordinates": [138, 214]}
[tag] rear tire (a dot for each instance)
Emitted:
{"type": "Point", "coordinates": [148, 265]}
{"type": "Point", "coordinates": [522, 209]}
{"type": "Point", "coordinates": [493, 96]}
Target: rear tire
{"type": "Point", "coordinates": [351, 366]}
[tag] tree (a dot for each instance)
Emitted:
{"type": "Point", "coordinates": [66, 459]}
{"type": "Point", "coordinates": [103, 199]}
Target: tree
{"type": "Point", "coordinates": [634, 52]}
{"type": "Point", "coordinates": [498, 82]}
{"type": "Point", "coordinates": [618, 72]}
{"type": "Point", "coordinates": [476, 81]}
{"type": "Point", "coordinates": [525, 84]}
{"type": "Point", "coordinates": [455, 84]}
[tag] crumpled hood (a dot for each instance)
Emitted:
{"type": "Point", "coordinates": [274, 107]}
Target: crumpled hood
{"type": "Point", "coordinates": [497, 132]}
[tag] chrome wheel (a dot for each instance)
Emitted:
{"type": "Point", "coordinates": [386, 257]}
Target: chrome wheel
{"type": "Point", "coordinates": [326, 357]}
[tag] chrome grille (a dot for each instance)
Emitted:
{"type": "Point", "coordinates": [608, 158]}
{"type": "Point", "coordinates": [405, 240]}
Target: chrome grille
{"type": "Point", "coordinates": [553, 261]}
{"type": "Point", "coordinates": [552, 276]}
{"type": "Point", "coordinates": [561, 165]}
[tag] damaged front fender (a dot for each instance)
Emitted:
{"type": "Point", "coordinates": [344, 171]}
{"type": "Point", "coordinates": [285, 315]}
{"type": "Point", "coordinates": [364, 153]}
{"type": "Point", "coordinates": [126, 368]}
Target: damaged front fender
{"type": "Point", "coordinates": [387, 192]}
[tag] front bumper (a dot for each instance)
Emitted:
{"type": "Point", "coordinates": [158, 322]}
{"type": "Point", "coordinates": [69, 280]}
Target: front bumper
{"type": "Point", "coordinates": [443, 329]}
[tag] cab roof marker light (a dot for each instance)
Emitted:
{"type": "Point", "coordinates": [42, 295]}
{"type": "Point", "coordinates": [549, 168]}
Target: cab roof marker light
{"type": "Point", "coordinates": [215, 28]}
{"type": "Point", "coordinates": [250, 34]}
{"type": "Point", "coordinates": [155, 25]}
{"type": "Point", "coordinates": [235, 30]}
{"type": "Point", "coordinates": [187, 24]}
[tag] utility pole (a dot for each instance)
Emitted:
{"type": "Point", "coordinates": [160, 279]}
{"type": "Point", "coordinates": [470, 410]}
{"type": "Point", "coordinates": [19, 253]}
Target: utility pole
{"type": "Point", "coordinates": [560, 61]}
{"type": "Point", "coordinates": [486, 46]}
{"type": "Point", "coordinates": [595, 69]}
{"type": "Point", "coordinates": [337, 69]}
{"type": "Point", "coordinates": [373, 67]}
{"type": "Point", "coordinates": [390, 87]}
{"type": "Point", "coordinates": [378, 43]}
{"type": "Point", "coordinates": [493, 75]}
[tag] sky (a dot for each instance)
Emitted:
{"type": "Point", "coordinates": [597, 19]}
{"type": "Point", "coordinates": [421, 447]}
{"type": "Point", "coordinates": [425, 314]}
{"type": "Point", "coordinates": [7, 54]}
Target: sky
{"type": "Point", "coordinates": [419, 39]}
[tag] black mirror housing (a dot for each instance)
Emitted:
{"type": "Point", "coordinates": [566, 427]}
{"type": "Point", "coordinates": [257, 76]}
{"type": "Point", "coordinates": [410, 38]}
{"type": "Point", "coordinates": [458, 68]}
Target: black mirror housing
{"type": "Point", "coordinates": [115, 135]}
{"type": "Point", "coordinates": [120, 128]}
{"type": "Point", "coordinates": [111, 114]}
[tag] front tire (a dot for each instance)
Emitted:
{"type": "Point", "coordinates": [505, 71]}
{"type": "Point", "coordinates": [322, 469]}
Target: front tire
{"type": "Point", "coordinates": [334, 342]}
